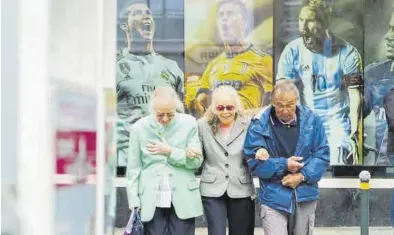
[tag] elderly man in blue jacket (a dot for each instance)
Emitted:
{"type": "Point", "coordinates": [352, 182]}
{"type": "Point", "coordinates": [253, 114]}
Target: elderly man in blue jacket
{"type": "Point", "coordinates": [286, 147]}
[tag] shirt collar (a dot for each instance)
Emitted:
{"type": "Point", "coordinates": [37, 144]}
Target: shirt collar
{"type": "Point", "coordinates": [275, 120]}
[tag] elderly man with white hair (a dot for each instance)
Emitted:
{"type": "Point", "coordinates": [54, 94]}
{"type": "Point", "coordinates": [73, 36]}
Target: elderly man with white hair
{"type": "Point", "coordinates": [163, 154]}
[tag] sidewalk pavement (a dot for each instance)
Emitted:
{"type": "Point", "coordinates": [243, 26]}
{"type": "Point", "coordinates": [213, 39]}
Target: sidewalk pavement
{"type": "Point", "coordinates": [317, 231]}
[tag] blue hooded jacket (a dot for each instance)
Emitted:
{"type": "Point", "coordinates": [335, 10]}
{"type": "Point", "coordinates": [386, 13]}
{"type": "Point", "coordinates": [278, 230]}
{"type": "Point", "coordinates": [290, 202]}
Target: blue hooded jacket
{"type": "Point", "coordinates": [312, 145]}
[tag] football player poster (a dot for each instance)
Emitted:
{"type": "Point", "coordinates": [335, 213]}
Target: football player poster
{"type": "Point", "coordinates": [378, 78]}
{"type": "Point", "coordinates": [228, 42]}
{"type": "Point", "coordinates": [149, 55]}
{"type": "Point", "coordinates": [322, 58]}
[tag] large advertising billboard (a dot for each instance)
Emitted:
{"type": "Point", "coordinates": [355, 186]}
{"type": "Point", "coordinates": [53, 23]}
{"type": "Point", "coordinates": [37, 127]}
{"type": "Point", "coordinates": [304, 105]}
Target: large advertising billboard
{"type": "Point", "coordinates": [320, 48]}
{"type": "Point", "coordinates": [378, 80]}
{"type": "Point", "coordinates": [149, 54]}
{"type": "Point", "coordinates": [228, 43]}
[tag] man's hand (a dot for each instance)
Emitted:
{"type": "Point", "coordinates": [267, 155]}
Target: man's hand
{"type": "Point", "coordinates": [262, 154]}
{"type": "Point", "coordinates": [292, 180]}
{"type": "Point", "coordinates": [293, 164]}
{"type": "Point", "coordinates": [156, 147]}
{"type": "Point", "coordinates": [200, 103]}
{"type": "Point", "coordinates": [192, 152]}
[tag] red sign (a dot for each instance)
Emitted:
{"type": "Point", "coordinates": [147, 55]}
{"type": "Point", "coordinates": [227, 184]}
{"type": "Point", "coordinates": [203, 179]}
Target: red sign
{"type": "Point", "coordinates": [75, 145]}
{"type": "Point", "coordinates": [76, 153]}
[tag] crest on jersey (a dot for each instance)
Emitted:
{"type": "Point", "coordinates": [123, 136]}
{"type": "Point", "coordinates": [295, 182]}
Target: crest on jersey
{"type": "Point", "coordinates": [305, 67]}
{"type": "Point", "coordinates": [125, 68]}
{"type": "Point", "coordinates": [164, 75]}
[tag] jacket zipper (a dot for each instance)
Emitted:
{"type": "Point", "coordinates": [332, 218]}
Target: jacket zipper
{"type": "Point", "coordinates": [295, 194]}
{"type": "Point", "coordinates": [299, 147]}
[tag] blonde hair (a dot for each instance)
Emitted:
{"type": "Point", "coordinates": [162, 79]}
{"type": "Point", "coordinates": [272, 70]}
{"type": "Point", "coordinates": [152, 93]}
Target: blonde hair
{"type": "Point", "coordinates": [210, 115]}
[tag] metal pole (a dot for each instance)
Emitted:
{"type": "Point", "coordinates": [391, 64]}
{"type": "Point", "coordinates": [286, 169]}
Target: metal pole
{"type": "Point", "coordinates": [365, 176]}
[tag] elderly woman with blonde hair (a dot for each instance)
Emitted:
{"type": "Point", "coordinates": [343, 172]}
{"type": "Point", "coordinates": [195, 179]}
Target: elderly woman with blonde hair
{"type": "Point", "coordinates": [226, 184]}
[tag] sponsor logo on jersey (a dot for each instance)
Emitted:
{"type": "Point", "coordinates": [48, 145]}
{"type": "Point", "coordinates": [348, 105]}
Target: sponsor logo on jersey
{"type": "Point", "coordinates": [236, 84]}
{"type": "Point", "coordinates": [124, 67]}
{"type": "Point", "coordinates": [165, 75]}
{"type": "Point", "coordinates": [144, 97]}
{"type": "Point", "coordinates": [305, 67]}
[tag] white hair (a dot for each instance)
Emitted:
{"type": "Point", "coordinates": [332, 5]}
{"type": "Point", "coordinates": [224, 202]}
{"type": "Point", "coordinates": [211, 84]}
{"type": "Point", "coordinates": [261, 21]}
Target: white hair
{"type": "Point", "coordinates": [165, 92]}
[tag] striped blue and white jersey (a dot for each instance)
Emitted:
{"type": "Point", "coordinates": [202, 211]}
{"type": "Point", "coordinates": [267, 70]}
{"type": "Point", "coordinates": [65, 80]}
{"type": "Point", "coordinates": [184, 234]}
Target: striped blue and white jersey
{"type": "Point", "coordinates": [321, 82]}
{"type": "Point", "coordinates": [379, 79]}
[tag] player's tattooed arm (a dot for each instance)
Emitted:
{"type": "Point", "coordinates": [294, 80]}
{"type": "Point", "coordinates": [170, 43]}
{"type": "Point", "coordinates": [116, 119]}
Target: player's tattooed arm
{"type": "Point", "coordinates": [353, 81]}
{"type": "Point", "coordinates": [355, 105]}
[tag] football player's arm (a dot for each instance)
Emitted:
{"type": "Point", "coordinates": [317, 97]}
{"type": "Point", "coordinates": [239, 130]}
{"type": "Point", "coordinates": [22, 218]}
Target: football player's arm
{"type": "Point", "coordinates": [368, 94]}
{"type": "Point", "coordinates": [389, 107]}
{"type": "Point", "coordinates": [204, 90]}
{"type": "Point", "coordinates": [285, 64]}
{"type": "Point", "coordinates": [354, 82]}
{"type": "Point", "coordinates": [180, 86]}
{"type": "Point", "coordinates": [265, 78]}
{"type": "Point", "coordinates": [119, 73]}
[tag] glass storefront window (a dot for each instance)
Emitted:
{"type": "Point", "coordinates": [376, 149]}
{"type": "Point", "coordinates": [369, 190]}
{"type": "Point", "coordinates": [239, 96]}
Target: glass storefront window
{"type": "Point", "coordinates": [194, 39]}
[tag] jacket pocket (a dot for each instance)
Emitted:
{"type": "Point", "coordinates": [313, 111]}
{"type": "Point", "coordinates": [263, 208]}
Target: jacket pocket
{"type": "Point", "coordinates": [245, 179]}
{"type": "Point", "coordinates": [208, 178]}
{"type": "Point", "coordinates": [141, 190]}
{"type": "Point", "coordinates": [193, 185]}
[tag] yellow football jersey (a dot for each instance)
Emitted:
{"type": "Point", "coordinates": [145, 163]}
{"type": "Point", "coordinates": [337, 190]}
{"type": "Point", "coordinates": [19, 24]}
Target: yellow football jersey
{"type": "Point", "coordinates": [192, 85]}
{"type": "Point", "coordinates": [249, 72]}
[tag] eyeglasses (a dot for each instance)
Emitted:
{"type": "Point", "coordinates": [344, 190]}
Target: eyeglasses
{"type": "Point", "coordinates": [221, 108]}
{"type": "Point", "coordinates": [161, 115]}
{"type": "Point", "coordinates": [285, 106]}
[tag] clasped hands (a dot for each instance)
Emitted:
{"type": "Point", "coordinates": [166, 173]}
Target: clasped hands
{"type": "Point", "coordinates": [293, 165]}
{"type": "Point", "coordinates": [163, 148]}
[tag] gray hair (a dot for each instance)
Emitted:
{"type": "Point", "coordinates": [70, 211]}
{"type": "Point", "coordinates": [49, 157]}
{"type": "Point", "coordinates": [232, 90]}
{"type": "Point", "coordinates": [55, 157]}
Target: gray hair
{"type": "Point", "coordinates": [165, 92]}
{"type": "Point", "coordinates": [284, 86]}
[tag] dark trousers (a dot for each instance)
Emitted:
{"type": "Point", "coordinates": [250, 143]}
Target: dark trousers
{"type": "Point", "coordinates": [238, 211]}
{"type": "Point", "coordinates": [166, 222]}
